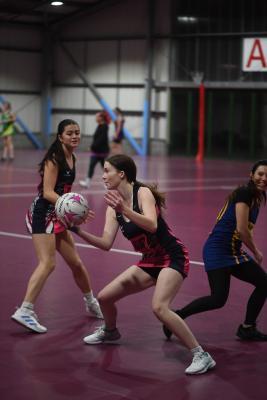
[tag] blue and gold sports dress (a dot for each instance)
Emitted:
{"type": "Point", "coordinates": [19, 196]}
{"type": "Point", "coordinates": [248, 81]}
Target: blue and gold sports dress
{"type": "Point", "coordinates": [223, 247]}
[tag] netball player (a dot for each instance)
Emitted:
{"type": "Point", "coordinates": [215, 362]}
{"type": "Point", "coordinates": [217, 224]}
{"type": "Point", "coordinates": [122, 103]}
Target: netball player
{"type": "Point", "coordinates": [135, 208]}
{"type": "Point", "coordinates": [224, 256]}
{"type": "Point", "coordinates": [57, 171]}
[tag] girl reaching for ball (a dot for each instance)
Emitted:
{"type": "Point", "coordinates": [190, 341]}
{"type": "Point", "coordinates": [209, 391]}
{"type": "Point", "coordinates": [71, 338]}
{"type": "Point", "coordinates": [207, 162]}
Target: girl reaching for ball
{"type": "Point", "coordinates": [57, 171]}
{"type": "Point", "coordinates": [136, 209]}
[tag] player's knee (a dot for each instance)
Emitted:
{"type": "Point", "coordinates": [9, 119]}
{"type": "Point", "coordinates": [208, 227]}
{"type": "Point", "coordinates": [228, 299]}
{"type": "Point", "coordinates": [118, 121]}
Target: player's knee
{"type": "Point", "coordinates": [76, 265]}
{"type": "Point", "coordinates": [103, 297]}
{"type": "Point", "coordinates": [219, 302]}
{"type": "Point", "coordinates": [49, 265]}
{"type": "Point", "coordinates": [158, 309]}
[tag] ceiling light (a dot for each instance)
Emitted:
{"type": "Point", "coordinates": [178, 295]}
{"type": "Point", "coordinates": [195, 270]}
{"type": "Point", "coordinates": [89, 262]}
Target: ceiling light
{"type": "Point", "coordinates": [57, 3]}
{"type": "Point", "coordinates": [187, 20]}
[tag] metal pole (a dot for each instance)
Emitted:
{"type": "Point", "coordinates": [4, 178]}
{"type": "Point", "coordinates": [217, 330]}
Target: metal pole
{"type": "Point", "coordinates": [149, 80]}
{"type": "Point", "coordinates": [46, 89]}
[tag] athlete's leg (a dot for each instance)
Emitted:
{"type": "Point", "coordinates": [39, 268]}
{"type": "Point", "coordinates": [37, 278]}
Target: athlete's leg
{"type": "Point", "coordinates": [131, 281]}
{"type": "Point", "coordinates": [65, 245]}
{"type": "Point", "coordinates": [5, 148]}
{"type": "Point", "coordinates": [253, 273]}
{"type": "Point", "coordinates": [45, 249]}
{"type": "Point", "coordinates": [10, 147]}
{"type": "Point", "coordinates": [93, 161]}
{"type": "Point", "coordinates": [168, 284]}
{"type": "Point", "coordinates": [219, 281]}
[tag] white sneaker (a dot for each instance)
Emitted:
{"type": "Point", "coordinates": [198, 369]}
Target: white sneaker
{"type": "Point", "coordinates": [201, 363]}
{"type": "Point", "coordinates": [93, 308]}
{"type": "Point", "coordinates": [102, 336]}
{"type": "Point", "coordinates": [29, 319]}
{"type": "Point", "coordinates": [85, 183]}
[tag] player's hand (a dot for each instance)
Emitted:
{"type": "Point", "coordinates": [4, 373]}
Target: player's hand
{"type": "Point", "coordinates": [114, 200]}
{"type": "Point", "coordinates": [90, 216]}
{"type": "Point", "coordinates": [76, 228]}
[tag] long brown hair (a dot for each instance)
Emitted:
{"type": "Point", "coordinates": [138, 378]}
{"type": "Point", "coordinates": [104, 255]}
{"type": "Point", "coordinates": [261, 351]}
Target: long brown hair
{"type": "Point", "coordinates": [126, 164]}
{"type": "Point", "coordinates": [258, 196]}
{"type": "Point", "coordinates": [55, 153]}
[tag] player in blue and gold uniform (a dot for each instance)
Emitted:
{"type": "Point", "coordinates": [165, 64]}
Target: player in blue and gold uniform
{"type": "Point", "coordinates": [224, 255]}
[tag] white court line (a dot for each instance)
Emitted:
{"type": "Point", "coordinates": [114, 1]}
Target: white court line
{"type": "Point", "coordinates": [88, 246]}
{"type": "Point", "coordinates": [34, 194]}
{"type": "Point", "coordinates": [186, 180]}
{"type": "Point", "coordinates": [151, 180]}
{"type": "Point", "coordinates": [166, 190]}
{"type": "Point", "coordinates": [18, 185]}
{"type": "Point", "coordinates": [193, 188]}
{"type": "Point", "coordinates": [32, 171]}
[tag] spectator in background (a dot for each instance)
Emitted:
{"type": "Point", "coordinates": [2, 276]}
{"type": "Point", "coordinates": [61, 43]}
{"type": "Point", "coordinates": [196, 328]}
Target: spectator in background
{"type": "Point", "coordinates": [7, 129]}
{"type": "Point", "coordinates": [99, 147]}
{"type": "Point", "coordinates": [116, 143]}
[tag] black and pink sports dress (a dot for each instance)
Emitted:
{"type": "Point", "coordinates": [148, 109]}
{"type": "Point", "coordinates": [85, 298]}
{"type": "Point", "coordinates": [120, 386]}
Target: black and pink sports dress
{"type": "Point", "coordinates": [41, 216]}
{"type": "Point", "coordinates": [160, 249]}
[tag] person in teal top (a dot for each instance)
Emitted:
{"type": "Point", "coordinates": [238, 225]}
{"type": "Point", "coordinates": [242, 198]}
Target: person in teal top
{"type": "Point", "coordinates": [7, 129]}
{"type": "Point", "coordinates": [224, 255]}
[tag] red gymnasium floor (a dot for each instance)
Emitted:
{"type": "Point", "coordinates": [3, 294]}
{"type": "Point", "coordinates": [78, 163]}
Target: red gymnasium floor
{"type": "Point", "coordinates": [58, 366]}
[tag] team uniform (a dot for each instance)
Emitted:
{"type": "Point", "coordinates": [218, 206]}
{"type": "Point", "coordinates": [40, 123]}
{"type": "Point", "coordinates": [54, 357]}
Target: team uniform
{"type": "Point", "coordinates": [160, 249]}
{"type": "Point", "coordinates": [8, 128]}
{"type": "Point", "coordinates": [41, 216]}
{"type": "Point", "coordinates": [224, 257]}
{"type": "Point", "coordinates": [224, 247]}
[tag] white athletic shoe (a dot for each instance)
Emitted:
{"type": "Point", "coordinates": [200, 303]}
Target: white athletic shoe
{"type": "Point", "coordinates": [93, 308]}
{"type": "Point", "coordinates": [102, 336]}
{"type": "Point", "coordinates": [29, 319]}
{"type": "Point", "coordinates": [201, 363]}
{"type": "Point", "coordinates": [85, 183]}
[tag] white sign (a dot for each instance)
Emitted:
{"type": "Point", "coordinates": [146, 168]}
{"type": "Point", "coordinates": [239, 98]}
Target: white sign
{"type": "Point", "coordinates": [254, 54]}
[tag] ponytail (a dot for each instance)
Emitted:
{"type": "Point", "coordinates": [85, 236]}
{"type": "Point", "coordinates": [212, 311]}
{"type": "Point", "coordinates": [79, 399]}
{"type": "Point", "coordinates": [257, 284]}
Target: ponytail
{"type": "Point", "coordinates": [160, 197]}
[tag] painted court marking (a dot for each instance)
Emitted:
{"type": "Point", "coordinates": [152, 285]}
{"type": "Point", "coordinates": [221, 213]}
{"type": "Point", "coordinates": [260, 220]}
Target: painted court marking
{"type": "Point", "coordinates": [88, 246]}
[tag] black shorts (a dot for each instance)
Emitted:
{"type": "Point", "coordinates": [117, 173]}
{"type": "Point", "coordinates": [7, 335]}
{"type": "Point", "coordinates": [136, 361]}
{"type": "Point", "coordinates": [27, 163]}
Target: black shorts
{"type": "Point", "coordinates": [41, 218]}
{"type": "Point", "coordinates": [154, 271]}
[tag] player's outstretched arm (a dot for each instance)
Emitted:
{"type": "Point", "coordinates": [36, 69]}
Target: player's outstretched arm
{"type": "Point", "coordinates": [110, 230]}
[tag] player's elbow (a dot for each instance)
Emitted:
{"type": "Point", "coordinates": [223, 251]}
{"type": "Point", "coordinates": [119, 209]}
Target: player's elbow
{"type": "Point", "coordinates": [47, 195]}
{"type": "Point", "coordinates": [106, 247]}
{"type": "Point", "coordinates": [153, 227]}
{"type": "Point", "coordinates": [242, 231]}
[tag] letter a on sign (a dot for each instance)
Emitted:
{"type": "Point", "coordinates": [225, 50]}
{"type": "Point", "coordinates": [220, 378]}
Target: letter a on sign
{"type": "Point", "coordinates": [255, 54]}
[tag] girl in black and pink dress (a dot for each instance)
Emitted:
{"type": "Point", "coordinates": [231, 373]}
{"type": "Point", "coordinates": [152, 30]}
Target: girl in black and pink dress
{"type": "Point", "coordinates": [135, 208]}
{"type": "Point", "coordinates": [57, 171]}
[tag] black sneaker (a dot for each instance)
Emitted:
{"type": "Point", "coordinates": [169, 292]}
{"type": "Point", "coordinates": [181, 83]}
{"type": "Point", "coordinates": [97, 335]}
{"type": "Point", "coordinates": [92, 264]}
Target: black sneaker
{"type": "Point", "coordinates": [166, 330]}
{"type": "Point", "coordinates": [250, 333]}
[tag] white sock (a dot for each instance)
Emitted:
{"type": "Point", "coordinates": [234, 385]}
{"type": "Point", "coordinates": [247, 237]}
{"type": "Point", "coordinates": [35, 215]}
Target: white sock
{"type": "Point", "coordinates": [89, 296]}
{"type": "Point", "coordinates": [196, 350]}
{"type": "Point", "coordinates": [27, 305]}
